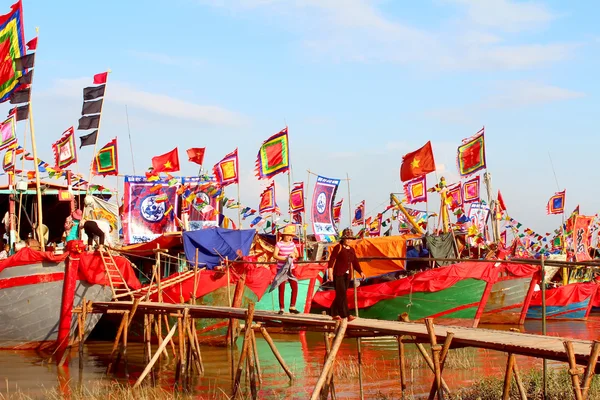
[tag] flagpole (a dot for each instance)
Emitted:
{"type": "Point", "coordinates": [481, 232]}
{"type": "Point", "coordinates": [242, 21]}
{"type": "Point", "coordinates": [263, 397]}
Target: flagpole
{"type": "Point", "coordinates": [349, 202]}
{"type": "Point", "coordinates": [239, 208]}
{"type": "Point", "coordinates": [304, 224]}
{"type": "Point", "coordinates": [89, 188]}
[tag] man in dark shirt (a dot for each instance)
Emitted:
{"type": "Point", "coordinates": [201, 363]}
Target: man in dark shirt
{"type": "Point", "coordinates": [341, 262]}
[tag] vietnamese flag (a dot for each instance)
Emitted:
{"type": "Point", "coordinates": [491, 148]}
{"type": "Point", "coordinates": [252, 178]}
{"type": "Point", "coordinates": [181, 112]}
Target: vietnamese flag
{"type": "Point", "coordinates": [100, 78]}
{"type": "Point", "coordinates": [196, 154]}
{"type": "Point", "coordinates": [417, 163]}
{"type": "Point", "coordinates": [168, 162]}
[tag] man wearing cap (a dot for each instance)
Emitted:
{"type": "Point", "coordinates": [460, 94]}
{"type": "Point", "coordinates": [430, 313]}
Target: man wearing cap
{"type": "Point", "coordinates": [341, 261]}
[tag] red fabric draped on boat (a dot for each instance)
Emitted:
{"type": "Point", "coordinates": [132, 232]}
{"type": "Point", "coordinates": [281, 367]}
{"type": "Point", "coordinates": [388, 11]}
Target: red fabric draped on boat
{"type": "Point", "coordinates": [432, 280]}
{"type": "Point", "coordinates": [565, 295]}
{"type": "Point", "coordinates": [27, 256]}
{"type": "Point", "coordinates": [258, 279]}
{"type": "Point", "coordinates": [91, 269]}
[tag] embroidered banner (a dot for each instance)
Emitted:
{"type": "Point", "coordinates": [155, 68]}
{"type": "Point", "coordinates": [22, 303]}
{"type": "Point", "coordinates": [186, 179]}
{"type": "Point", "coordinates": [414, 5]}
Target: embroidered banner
{"type": "Point", "coordinates": [8, 163]}
{"type": "Point", "coordinates": [580, 237]}
{"type": "Point", "coordinates": [337, 211]}
{"type": "Point", "coordinates": [478, 215]}
{"type": "Point", "coordinates": [149, 209]}
{"type": "Point", "coordinates": [64, 149]}
{"type": "Point", "coordinates": [454, 197]}
{"type": "Point", "coordinates": [226, 170]}
{"type": "Point", "coordinates": [8, 133]}
{"type": "Point", "coordinates": [556, 204]}
{"type": "Point", "coordinates": [471, 154]}
{"type": "Point", "coordinates": [322, 209]}
{"type": "Point", "coordinates": [198, 203]}
{"type": "Point", "coordinates": [273, 156]}
{"type": "Point", "coordinates": [471, 190]}
{"type": "Point", "coordinates": [297, 198]}
{"type": "Point", "coordinates": [359, 215]}
{"type": "Point", "coordinates": [267, 200]}
{"type": "Point", "coordinates": [416, 190]}
{"type": "Point", "coordinates": [375, 226]}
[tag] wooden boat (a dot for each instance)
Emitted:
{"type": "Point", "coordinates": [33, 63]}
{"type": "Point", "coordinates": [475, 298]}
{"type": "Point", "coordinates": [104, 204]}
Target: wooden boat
{"type": "Point", "coordinates": [569, 302]}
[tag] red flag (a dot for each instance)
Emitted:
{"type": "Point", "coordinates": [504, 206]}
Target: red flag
{"type": "Point", "coordinates": [168, 162]}
{"type": "Point", "coordinates": [417, 163]}
{"type": "Point", "coordinates": [196, 154]}
{"type": "Point", "coordinates": [32, 44]}
{"type": "Point", "coordinates": [501, 205]}
{"type": "Point", "coordinates": [100, 78]}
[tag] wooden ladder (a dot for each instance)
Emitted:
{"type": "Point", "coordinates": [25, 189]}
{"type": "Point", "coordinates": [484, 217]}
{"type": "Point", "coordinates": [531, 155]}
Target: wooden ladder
{"type": "Point", "coordinates": [117, 282]}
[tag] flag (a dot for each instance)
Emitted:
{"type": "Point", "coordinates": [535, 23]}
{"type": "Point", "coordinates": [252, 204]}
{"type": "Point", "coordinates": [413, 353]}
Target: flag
{"type": "Point", "coordinates": [226, 170]}
{"type": "Point", "coordinates": [471, 154]}
{"type": "Point", "coordinates": [20, 96]}
{"type": "Point", "coordinates": [8, 133]}
{"type": "Point", "coordinates": [273, 156]}
{"type": "Point", "coordinates": [417, 163]}
{"type": "Point", "coordinates": [556, 204]}
{"type": "Point", "coordinates": [64, 149]}
{"type": "Point", "coordinates": [267, 200]}
{"type": "Point", "coordinates": [26, 79]}
{"type": "Point", "coordinates": [24, 62]}
{"type": "Point", "coordinates": [322, 208]}
{"type": "Point", "coordinates": [100, 78]}
{"type": "Point", "coordinates": [297, 198]}
{"type": "Point", "coordinates": [93, 92]}
{"type": "Point", "coordinates": [168, 162]}
{"type": "Point", "coordinates": [21, 113]}
{"type": "Point", "coordinates": [92, 107]}
{"type": "Point", "coordinates": [88, 140]}
{"type": "Point", "coordinates": [501, 205]}
{"type": "Point", "coordinates": [11, 46]}
{"type": "Point", "coordinates": [359, 214]}
{"type": "Point", "coordinates": [454, 196]}
{"type": "Point", "coordinates": [106, 161]}
{"type": "Point", "coordinates": [337, 211]}
{"type": "Point", "coordinates": [375, 226]}
{"type": "Point", "coordinates": [580, 236]}
{"type": "Point", "coordinates": [8, 162]}
{"type": "Point", "coordinates": [196, 155]}
{"type": "Point", "coordinates": [32, 44]}
{"type": "Point", "coordinates": [89, 122]}
{"type": "Point", "coordinates": [471, 190]}
{"type": "Point", "coordinates": [415, 190]}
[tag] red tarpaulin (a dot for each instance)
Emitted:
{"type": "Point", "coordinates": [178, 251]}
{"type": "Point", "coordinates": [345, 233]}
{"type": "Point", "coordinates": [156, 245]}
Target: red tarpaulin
{"type": "Point", "coordinates": [27, 256]}
{"type": "Point", "coordinates": [565, 295]}
{"type": "Point", "coordinates": [91, 269]}
{"type": "Point", "coordinates": [432, 280]}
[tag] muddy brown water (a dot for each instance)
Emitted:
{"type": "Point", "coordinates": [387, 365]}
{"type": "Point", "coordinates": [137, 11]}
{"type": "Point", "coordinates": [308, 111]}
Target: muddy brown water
{"type": "Point", "coordinates": [32, 374]}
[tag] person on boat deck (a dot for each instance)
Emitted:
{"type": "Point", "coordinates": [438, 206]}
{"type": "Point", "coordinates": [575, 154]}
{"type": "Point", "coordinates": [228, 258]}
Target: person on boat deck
{"type": "Point", "coordinates": [72, 225]}
{"type": "Point", "coordinates": [284, 250]}
{"type": "Point", "coordinates": [92, 230]}
{"type": "Point", "coordinates": [5, 252]}
{"type": "Point", "coordinates": [341, 260]}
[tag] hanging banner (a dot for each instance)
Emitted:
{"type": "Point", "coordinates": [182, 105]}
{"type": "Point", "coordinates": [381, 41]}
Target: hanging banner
{"type": "Point", "coordinates": [101, 210]}
{"type": "Point", "coordinates": [580, 237]}
{"type": "Point", "coordinates": [478, 215]}
{"type": "Point", "coordinates": [199, 204]}
{"type": "Point", "coordinates": [322, 209]}
{"type": "Point", "coordinates": [149, 209]}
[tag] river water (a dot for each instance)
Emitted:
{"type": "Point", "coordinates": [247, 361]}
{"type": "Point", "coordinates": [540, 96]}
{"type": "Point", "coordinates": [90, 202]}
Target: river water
{"type": "Point", "coordinates": [33, 374]}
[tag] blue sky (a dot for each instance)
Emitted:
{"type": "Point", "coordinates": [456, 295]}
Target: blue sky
{"type": "Point", "coordinates": [358, 82]}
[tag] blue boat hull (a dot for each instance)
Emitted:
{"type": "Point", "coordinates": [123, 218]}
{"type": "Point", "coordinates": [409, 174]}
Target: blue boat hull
{"type": "Point", "coordinates": [579, 310]}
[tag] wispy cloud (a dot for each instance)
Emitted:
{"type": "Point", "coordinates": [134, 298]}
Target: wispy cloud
{"type": "Point", "coordinates": [165, 59]}
{"type": "Point", "coordinates": [155, 103]}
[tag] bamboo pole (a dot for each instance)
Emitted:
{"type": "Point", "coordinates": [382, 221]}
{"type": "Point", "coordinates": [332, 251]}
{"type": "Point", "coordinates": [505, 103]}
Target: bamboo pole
{"type": "Point", "coordinates": [329, 386]}
{"type": "Point", "coordinates": [544, 362]}
{"type": "Point", "coordinates": [245, 347]}
{"type": "Point", "coordinates": [358, 342]}
{"type": "Point", "coordinates": [337, 342]}
{"type": "Point", "coordinates": [156, 356]}
{"type": "Point", "coordinates": [256, 359]}
{"type": "Point", "coordinates": [116, 344]}
{"type": "Point", "coordinates": [402, 356]}
{"type": "Point", "coordinates": [589, 371]}
{"type": "Point", "coordinates": [239, 209]}
{"type": "Point", "coordinates": [510, 363]}
{"type": "Point", "coordinates": [443, 356]}
{"type": "Point", "coordinates": [38, 189]}
{"type": "Point", "coordinates": [271, 344]}
{"type": "Point", "coordinates": [435, 350]}
{"type": "Point", "coordinates": [574, 370]}
{"type": "Point", "coordinates": [520, 386]}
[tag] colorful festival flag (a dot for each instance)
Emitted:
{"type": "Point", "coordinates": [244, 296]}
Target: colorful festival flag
{"type": "Point", "coordinates": [478, 216]}
{"type": "Point", "coordinates": [100, 78]}
{"type": "Point", "coordinates": [22, 94]}
{"type": "Point", "coordinates": [106, 161]}
{"type": "Point", "coordinates": [168, 162]}
{"type": "Point", "coordinates": [454, 195]}
{"type": "Point", "coordinates": [32, 44]}
{"type": "Point", "coordinates": [8, 162]}
{"type": "Point", "coordinates": [337, 211]}
{"type": "Point", "coordinates": [471, 154]}
{"type": "Point", "coordinates": [556, 204]}
{"type": "Point", "coordinates": [89, 139]}
{"type": "Point", "coordinates": [64, 149]}
{"type": "Point", "coordinates": [297, 198]}
{"type": "Point", "coordinates": [12, 46]}
{"type": "Point", "coordinates": [273, 157]}
{"type": "Point", "coordinates": [21, 113]}
{"type": "Point", "coordinates": [226, 170]}
{"type": "Point", "coordinates": [8, 132]}
{"type": "Point", "coordinates": [322, 209]}
{"type": "Point", "coordinates": [359, 215]}
{"type": "Point", "coordinates": [415, 190]}
{"type": "Point", "coordinates": [268, 203]}
{"type": "Point", "coordinates": [195, 196]}
{"type": "Point", "coordinates": [501, 204]}
{"type": "Point", "coordinates": [580, 237]}
{"type": "Point", "coordinates": [471, 190]}
{"type": "Point", "coordinates": [196, 155]}
{"type": "Point", "coordinates": [418, 163]}
{"type": "Point", "coordinates": [375, 226]}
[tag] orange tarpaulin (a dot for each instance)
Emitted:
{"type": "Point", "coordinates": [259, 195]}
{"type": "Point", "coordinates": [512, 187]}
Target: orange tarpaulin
{"type": "Point", "coordinates": [385, 246]}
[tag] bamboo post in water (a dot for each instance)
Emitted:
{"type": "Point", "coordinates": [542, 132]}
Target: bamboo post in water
{"type": "Point", "coordinates": [156, 356]}
{"type": "Point", "coordinates": [574, 370]}
{"type": "Point", "coordinates": [358, 344]}
{"type": "Point", "coordinates": [443, 356]}
{"type": "Point", "coordinates": [337, 342]}
{"type": "Point", "coordinates": [245, 346]}
{"type": "Point", "coordinates": [271, 344]}
{"type": "Point", "coordinates": [329, 386]}
{"type": "Point", "coordinates": [544, 362]}
{"type": "Point", "coordinates": [435, 350]}
{"type": "Point", "coordinates": [116, 344]}
{"type": "Point", "coordinates": [256, 359]}
{"type": "Point", "coordinates": [589, 371]}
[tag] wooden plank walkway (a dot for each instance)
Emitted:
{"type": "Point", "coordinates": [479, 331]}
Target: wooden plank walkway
{"type": "Point", "coordinates": [549, 347]}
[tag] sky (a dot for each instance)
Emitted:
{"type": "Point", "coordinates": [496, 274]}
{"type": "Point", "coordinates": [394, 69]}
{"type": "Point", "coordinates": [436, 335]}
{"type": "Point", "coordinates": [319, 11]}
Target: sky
{"type": "Point", "coordinates": [359, 83]}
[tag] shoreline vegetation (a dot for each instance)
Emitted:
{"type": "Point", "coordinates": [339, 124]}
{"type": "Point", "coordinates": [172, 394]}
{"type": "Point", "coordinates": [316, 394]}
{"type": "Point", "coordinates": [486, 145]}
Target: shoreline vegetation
{"type": "Point", "coordinates": [489, 388]}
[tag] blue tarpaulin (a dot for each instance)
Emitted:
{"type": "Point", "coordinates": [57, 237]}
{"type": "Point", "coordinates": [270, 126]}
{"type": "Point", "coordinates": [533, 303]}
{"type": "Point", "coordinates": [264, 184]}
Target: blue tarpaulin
{"type": "Point", "coordinates": [215, 243]}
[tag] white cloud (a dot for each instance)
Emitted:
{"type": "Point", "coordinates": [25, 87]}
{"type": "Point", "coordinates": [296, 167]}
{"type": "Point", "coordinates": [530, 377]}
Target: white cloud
{"type": "Point", "coordinates": [156, 103]}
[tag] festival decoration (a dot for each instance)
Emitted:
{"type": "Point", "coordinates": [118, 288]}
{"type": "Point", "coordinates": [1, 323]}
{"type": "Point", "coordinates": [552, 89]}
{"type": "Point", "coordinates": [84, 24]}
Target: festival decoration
{"type": "Point", "coordinates": [168, 162]}
{"type": "Point", "coordinates": [196, 194]}
{"type": "Point", "coordinates": [471, 154]}
{"type": "Point", "coordinates": [415, 190]}
{"type": "Point", "coordinates": [8, 162]}
{"type": "Point", "coordinates": [471, 190]}
{"type": "Point", "coordinates": [226, 170]}
{"type": "Point", "coordinates": [418, 163]}
{"type": "Point", "coordinates": [98, 209]}
{"type": "Point", "coordinates": [501, 204]}
{"type": "Point", "coordinates": [556, 204]}
{"type": "Point", "coordinates": [21, 112]}
{"type": "Point", "coordinates": [322, 209]}
{"type": "Point", "coordinates": [297, 198]}
{"type": "Point", "coordinates": [64, 149]}
{"type": "Point", "coordinates": [268, 203]}
{"type": "Point", "coordinates": [375, 226]}
{"type": "Point", "coordinates": [89, 139]}
{"type": "Point", "coordinates": [91, 110]}
{"type": "Point", "coordinates": [196, 155]}
{"type": "Point", "coordinates": [478, 215]}
{"type": "Point", "coordinates": [359, 215]}
{"type": "Point", "coordinates": [106, 161]}
{"type": "Point", "coordinates": [8, 132]}
{"type": "Point", "coordinates": [12, 47]}
{"type": "Point", "coordinates": [273, 156]}
{"type": "Point", "coordinates": [580, 237]}
{"type": "Point", "coordinates": [454, 196]}
{"type": "Point", "coordinates": [337, 211]}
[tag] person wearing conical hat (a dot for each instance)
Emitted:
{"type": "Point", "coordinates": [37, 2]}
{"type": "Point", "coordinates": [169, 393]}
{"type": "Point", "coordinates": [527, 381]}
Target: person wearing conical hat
{"type": "Point", "coordinates": [341, 261]}
{"type": "Point", "coordinates": [286, 252]}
